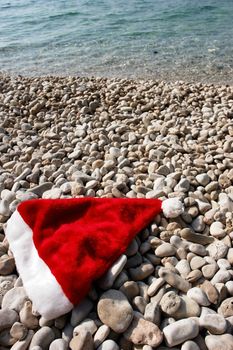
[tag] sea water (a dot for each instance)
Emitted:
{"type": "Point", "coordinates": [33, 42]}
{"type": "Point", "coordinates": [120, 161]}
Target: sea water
{"type": "Point", "coordinates": [165, 39]}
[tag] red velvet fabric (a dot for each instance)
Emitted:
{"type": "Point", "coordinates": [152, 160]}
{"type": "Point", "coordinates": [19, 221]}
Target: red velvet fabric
{"type": "Point", "coordinates": [80, 238]}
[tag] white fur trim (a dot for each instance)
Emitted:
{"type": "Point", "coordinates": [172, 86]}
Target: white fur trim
{"type": "Point", "coordinates": [172, 207]}
{"type": "Point", "coordinates": [41, 286]}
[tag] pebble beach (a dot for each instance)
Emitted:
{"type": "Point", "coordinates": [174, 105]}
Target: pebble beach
{"type": "Point", "coordinates": [66, 137]}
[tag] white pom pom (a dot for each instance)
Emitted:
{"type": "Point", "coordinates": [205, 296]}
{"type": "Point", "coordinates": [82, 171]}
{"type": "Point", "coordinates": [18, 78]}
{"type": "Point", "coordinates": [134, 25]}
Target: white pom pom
{"type": "Point", "coordinates": [172, 207]}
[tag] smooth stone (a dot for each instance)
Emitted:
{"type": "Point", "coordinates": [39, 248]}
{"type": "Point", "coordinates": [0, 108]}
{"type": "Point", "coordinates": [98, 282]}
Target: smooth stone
{"type": "Point", "coordinates": [40, 189]}
{"type": "Point", "coordinates": [182, 186]}
{"type": "Point", "coordinates": [14, 299]}
{"type": "Point", "coordinates": [226, 307]}
{"type": "Point", "coordinates": [197, 262]}
{"type": "Point", "coordinates": [219, 342]}
{"type": "Point", "coordinates": [115, 311]}
{"type": "Point", "coordinates": [191, 236]}
{"type": "Point", "coordinates": [206, 311]}
{"type": "Point", "coordinates": [222, 276]}
{"type": "Point", "coordinates": [4, 287]}
{"type": "Point", "coordinates": [23, 344]}
{"type": "Point", "coordinates": [58, 344]}
{"type": "Point", "coordinates": [155, 285]}
{"type": "Point", "coordinates": [198, 249]}
{"type": "Point", "coordinates": [83, 341]}
{"type": "Point", "coordinates": [180, 331]}
{"type": "Point", "coordinates": [165, 249]}
{"type": "Point", "coordinates": [87, 325]}
{"type": "Point", "coordinates": [217, 230]}
{"type": "Point", "coordinates": [199, 296]}
{"type": "Point", "coordinates": [6, 338]}
{"type": "Point", "coordinates": [7, 318]}
{"type": "Point", "coordinates": [108, 279]}
{"type": "Point", "coordinates": [54, 193]}
{"type": "Point", "coordinates": [198, 224]}
{"type": "Point", "coordinates": [80, 312]}
{"type": "Point", "coordinates": [43, 338]}
{"type": "Point", "coordinates": [174, 280]}
{"type": "Point", "coordinates": [194, 276]}
{"type": "Point", "coordinates": [229, 287]}
{"type": "Point", "coordinates": [188, 308]}
{"type": "Point", "coordinates": [224, 264]}
{"type": "Point", "coordinates": [190, 345]}
{"type": "Point", "coordinates": [217, 250]}
{"type": "Point", "coordinates": [203, 179]}
{"type": "Point", "coordinates": [183, 267]}
{"type": "Point", "coordinates": [130, 289]}
{"type": "Point", "coordinates": [209, 270]}
{"type": "Point", "coordinates": [7, 265]}
{"type": "Point", "coordinates": [210, 291]}
{"type": "Point", "coordinates": [132, 248]}
{"type": "Point", "coordinates": [101, 334]}
{"type": "Point", "coordinates": [18, 331]}
{"type": "Point", "coordinates": [230, 256]}
{"type": "Point", "coordinates": [143, 332]}
{"type": "Point", "coordinates": [27, 317]}
{"type": "Point", "coordinates": [152, 313]}
{"type": "Point", "coordinates": [141, 272]}
{"type": "Point", "coordinates": [170, 303]}
{"type": "Point", "coordinates": [67, 332]}
{"type": "Point", "coordinates": [139, 303]}
{"type": "Point", "coordinates": [215, 324]}
{"type": "Point", "coordinates": [108, 345]}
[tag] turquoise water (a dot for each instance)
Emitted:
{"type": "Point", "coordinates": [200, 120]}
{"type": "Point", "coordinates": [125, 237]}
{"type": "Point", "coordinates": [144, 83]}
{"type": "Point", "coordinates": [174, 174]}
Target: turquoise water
{"type": "Point", "coordinates": [172, 39]}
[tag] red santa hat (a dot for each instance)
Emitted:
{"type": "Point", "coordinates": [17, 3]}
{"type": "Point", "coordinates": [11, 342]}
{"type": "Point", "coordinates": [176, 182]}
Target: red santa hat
{"type": "Point", "coordinates": [62, 245]}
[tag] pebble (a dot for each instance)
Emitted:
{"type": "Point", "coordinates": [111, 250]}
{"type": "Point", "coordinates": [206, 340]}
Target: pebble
{"type": "Point", "coordinates": [222, 276]}
{"type": "Point", "coordinates": [27, 317]}
{"type": "Point", "coordinates": [229, 287]}
{"type": "Point", "coordinates": [86, 325]}
{"type": "Point", "coordinates": [217, 250]}
{"type": "Point", "coordinates": [141, 272]}
{"type": "Point", "coordinates": [189, 235]}
{"type": "Point", "coordinates": [143, 332]}
{"type": "Point", "coordinates": [18, 331]}
{"type": "Point", "coordinates": [107, 281]}
{"type": "Point", "coordinates": [7, 265]}
{"type": "Point", "coordinates": [190, 345]}
{"type": "Point", "coordinates": [83, 341]}
{"type": "Point", "coordinates": [216, 342]}
{"type": "Point", "coordinates": [174, 280]}
{"type": "Point", "coordinates": [214, 323]}
{"type": "Point", "coordinates": [7, 318]}
{"type": "Point", "coordinates": [14, 299]}
{"type": "Point", "coordinates": [210, 291]}
{"type": "Point", "coordinates": [23, 344]}
{"type": "Point", "coordinates": [108, 345]}
{"type": "Point", "coordinates": [165, 249]}
{"type": "Point", "coordinates": [226, 307]}
{"type": "Point", "coordinates": [58, 344]}
{"type": "Point", "coordinates": [180, 331]}
{"type": "Point", "coordinates": [197, 262]}
{"type": "Point", "coordinates": [43, 338]}
{"type": "Point", "coordinates": [155, 285]}
{"type": "Point", "coordinates": [115, 311]}
{"type": "Point", "coordinates": [209, 270]}
{"type": "Point", "coordinates": [80, 312]}
{"type": "Point", "coordinates": [152, 313]}
{"type": "Point", "coordinates": [217, 230]}
{"type": "Point", "coordinates": [101, 334]}
{"type": "Point", "coordinates": [199, 296]}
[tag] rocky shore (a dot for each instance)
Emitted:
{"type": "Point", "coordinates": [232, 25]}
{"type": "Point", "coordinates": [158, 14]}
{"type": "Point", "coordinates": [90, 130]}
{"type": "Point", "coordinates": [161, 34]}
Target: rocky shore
{"type": "Point", "coordinates": [70, 137]}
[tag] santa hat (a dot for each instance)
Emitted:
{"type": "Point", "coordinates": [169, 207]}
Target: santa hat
{"type": "Point", "coordinates": [62, 245]}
